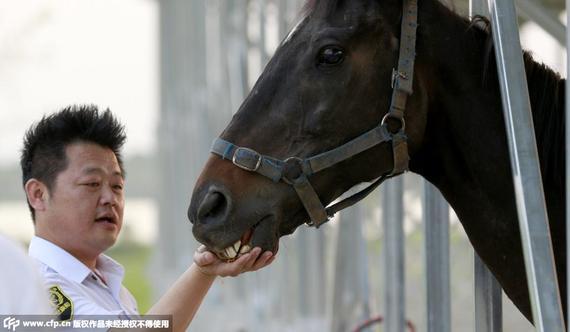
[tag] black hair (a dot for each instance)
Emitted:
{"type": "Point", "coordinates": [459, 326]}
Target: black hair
{"type": "Point", "coordinates": [43, 155]}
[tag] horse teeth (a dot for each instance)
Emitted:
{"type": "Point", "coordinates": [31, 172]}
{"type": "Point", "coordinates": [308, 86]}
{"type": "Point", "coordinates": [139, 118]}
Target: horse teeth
{"type": "Point", "coordinates": [244, 249]}
{"type": "Point", "coordinates": [237, 245]}
{"type": "Point", "coordinates": [231, 252]}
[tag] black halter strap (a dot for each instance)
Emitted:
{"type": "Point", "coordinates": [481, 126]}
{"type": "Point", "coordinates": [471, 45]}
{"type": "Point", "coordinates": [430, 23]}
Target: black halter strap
{"type": "Point", "coordinates": [296, 171]}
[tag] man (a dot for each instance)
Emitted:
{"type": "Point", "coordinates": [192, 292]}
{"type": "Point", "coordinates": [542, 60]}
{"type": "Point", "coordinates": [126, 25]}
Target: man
{"type": "Point", "coordinates": [20, 284]}
{"type": "Point", "coordinates": [74, 181]}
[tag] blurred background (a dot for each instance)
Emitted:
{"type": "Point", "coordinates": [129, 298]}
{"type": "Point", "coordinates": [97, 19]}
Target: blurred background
{"type": "Point", "coordinates": [174, 71]}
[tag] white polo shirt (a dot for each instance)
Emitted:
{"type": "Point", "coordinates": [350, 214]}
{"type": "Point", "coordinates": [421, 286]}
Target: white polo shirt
{"type": "Point", "coordinates": [79, 290]}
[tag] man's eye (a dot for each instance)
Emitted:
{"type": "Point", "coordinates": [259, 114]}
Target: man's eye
{"type": "Point", "coordinates": [92, 184]}
{"type": "Point", "coordinates": [118, 187]}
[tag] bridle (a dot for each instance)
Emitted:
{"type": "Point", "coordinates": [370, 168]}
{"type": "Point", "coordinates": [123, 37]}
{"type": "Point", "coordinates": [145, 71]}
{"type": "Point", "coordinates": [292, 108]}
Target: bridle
{"type": "Point", "coordinates": [296, 171]}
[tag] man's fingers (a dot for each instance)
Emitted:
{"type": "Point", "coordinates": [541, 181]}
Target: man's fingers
{"type": "Point", "coordinates": [202, 248]}
{"type": "Point", "coordinates": [252, 261]}
{"type": "Point", "coordinates": [270, 260]}
{"type": "Point", "coordinates": [248, 261]}
{"type": "Point", "coordinates": [242, 264]}
{"type": "Point", "coordinates": [263, 260]}
{"type": "Point", "coordinates": [204, 258]}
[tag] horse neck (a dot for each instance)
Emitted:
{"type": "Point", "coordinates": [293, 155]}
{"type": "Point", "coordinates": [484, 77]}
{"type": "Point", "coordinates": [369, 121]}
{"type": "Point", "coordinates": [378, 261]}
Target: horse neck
{"type": "Point", "coordinates": [465, 141]}
{"type": "Point", "coordinates": [465, 127]}
{"type": "Point", "coordinates": [465, 152]}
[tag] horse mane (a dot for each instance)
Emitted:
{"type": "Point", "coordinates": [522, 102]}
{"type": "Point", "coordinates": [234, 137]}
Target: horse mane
{"type": "Point", "coordinates": [547, 98]}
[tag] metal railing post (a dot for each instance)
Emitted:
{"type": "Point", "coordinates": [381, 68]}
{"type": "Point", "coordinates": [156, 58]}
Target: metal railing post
{"type": "Point", "coordinates": [350, 284]}
{"type": "Point", "coordinates": [478, 7]}
{"type": "Point", "coordinates": [488, 292]}
{"type": "Point", "coordinates": [567, 160]}
{"type": "Point", "coordinates": [533, 221]}
{"type": "Point", "coordinates": [488, 306]}
{"type": "Point", "coordinates": [436, 220]}
{"type": "Point", "coordinates": [394, 255]}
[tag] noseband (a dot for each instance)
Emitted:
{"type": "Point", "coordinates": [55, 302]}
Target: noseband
{"type": "Point", "coordinates": [296, 171]}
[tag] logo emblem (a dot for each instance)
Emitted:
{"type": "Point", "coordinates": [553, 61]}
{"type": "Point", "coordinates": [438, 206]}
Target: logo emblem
{"type": "Point", "coordinates": [61, 303]}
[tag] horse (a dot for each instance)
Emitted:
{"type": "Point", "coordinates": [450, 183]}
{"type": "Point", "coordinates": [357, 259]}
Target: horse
{"type": "Point", "coordinates": [332, 81]}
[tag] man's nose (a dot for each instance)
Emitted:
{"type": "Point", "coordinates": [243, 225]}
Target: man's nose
{"type": "Point", "coordinates": [109, 196]}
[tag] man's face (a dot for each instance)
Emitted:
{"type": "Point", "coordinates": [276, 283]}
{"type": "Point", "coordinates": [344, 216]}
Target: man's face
{"type": "Point", "coordinates": [84, 211]}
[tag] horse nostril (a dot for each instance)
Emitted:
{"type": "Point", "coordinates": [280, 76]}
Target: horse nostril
{"type": "Point", "coordinates": [213, 205]}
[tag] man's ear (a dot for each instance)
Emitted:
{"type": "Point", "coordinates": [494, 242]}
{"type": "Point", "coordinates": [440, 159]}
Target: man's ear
{"type": "Point", "coordinates": [37, 193]}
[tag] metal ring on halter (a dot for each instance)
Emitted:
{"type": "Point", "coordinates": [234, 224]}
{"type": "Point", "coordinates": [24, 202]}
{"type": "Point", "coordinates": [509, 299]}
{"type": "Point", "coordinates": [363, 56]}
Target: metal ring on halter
{"type": "Point", "coordinates": [389, 115]}
{"type": "Point", "coordinates": [299, 161]}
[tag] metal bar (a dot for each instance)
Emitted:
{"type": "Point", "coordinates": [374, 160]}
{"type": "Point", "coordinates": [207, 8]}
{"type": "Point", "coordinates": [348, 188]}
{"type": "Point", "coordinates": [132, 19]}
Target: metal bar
{"type": "Point", "coordinates": [263, 33]}
{"type": "Point", "coordinates": [567, 162]}
{"type": "Point", "coordinates": [533, 221]}
{"type": "Point", "coordinates": [488, 306]}
{"type": "Point", "coordinates": [478, 7]}
{"type": "Point", "coordinates": [237, 48]}
{"type": "Point", "coordinates": [351, 293]}
{"type": "Point", "coordinates": [488, 293]}
{"type": "Point", "coordinates": [394, 255]}
{"type": "Point", "coordinates": [311, 289]}
{"type": "Point", "coordinates": [535, 12]}
{"type": "Point", "coordinates": [301, 244]}
{"type": "Point", "coordinates": [437, 260]}
{"type": "Point", "coordinates": [283, 18]}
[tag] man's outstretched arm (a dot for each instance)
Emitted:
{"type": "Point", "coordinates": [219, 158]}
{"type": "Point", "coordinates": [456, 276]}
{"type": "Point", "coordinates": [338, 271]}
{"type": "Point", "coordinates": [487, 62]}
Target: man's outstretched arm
{"type": "Point", "coordinates": [183, 299]}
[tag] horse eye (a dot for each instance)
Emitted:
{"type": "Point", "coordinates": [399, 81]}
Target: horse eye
{"type": "Point", "coordinates": [330, 56]}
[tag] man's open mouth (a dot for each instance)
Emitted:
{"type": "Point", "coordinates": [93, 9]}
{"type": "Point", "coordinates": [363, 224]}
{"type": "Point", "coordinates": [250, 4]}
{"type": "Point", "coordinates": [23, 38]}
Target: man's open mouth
{"type": "Point", "coordinates": [106, 219]}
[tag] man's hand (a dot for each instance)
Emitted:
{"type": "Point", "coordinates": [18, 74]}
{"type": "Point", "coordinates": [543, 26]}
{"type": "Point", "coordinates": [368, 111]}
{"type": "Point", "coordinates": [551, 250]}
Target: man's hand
{"type": "Point", "coordinates": [183, 299]}
{"type": "Point", "coordinates": [211, 265]}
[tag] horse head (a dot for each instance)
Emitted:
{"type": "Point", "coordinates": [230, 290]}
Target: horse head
{"type": "Point", "coordinates": [329, 82]}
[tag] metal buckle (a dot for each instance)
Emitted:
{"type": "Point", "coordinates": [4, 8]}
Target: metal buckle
{"type": "Point", "coordinates": [246, 155]}
{"type": "Point", "coordinates": [396, 75]}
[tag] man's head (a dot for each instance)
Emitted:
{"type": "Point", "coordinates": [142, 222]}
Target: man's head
{"type": "Point", "coordinates": [73, 178]}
